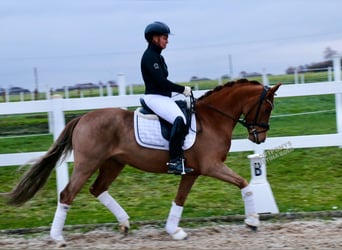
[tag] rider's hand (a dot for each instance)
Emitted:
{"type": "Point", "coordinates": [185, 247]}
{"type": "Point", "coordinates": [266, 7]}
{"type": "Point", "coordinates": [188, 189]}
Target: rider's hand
{"type": "Point", "coordinates": [187, 91]}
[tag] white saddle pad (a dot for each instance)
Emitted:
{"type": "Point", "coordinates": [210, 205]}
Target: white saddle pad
{"type": "Point", "coordinates": [147, 131]}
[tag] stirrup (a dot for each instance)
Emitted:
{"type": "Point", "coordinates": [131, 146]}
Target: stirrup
{"type": "Point", "coordinates": [176, 166]}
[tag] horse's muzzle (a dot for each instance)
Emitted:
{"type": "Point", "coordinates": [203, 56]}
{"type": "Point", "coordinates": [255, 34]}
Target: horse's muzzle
{"type": "Point", "coordinates": [256, 137]}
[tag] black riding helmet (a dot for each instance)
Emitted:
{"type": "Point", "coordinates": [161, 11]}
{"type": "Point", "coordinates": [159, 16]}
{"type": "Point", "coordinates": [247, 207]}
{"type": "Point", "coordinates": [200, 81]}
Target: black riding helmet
{"type": "Point", "coordinates": [156, 28]}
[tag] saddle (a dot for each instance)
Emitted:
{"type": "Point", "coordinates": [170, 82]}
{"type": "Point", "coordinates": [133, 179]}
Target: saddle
{"type": "Point", "coordinates": [152, 131]}
{"type": "Point", "coordinates": [165, 125]}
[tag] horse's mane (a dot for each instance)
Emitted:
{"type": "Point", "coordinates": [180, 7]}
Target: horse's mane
{"type": "Point", "coordinates": [228, 84]}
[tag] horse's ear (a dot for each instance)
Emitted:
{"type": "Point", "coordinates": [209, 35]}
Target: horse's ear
{"type": "Point", "coordinates": [274, 89]}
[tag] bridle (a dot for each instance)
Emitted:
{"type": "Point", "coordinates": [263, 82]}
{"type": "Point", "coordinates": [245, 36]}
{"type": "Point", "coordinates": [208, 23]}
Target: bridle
{"type": "Point", "coordinates": [251, 126]}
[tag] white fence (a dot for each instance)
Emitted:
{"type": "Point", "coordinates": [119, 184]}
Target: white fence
{"type": "Point", "coordinates": [57, 106]}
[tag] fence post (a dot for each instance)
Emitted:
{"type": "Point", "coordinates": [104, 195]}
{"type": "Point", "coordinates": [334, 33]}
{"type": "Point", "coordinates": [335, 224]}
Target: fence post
{"type": "Point", "coordinates": [109, 90]}
{"type": "Point", "coordinates": [122, 84]}
{"type": "Point", "coordinates": [264, 77]}
{"type": "Point", "coordinates": [329, 74]}
{"type": "Point", "coordinates": [302, 78]}
{"type": "Point", "coordinates": [7, 95]}
{"type": "Point", "coordinates": [338, 96]}
{"type": "Point", "coordinates": [263, 196]}
{"type": "Point", "coordinates": [62, 172]}
{"type": "Point", "coordinates": [21, 95]}
{"type": "Point", "coordinates": [101, 90]}
{"type": "Point", "coordinates": [296, 76]}
{"type": "Point", "coordinates": [66, 92]}
{"type": "Point", "coordinates": [220, 81]}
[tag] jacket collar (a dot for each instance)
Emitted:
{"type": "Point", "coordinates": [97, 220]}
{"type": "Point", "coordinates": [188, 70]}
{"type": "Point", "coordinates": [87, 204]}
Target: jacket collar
{"type": "Point", "coordinates": [155, 48]}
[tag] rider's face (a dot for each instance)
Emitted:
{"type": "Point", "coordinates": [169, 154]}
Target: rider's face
{"type": "Point", "coordinates": [161, 41]}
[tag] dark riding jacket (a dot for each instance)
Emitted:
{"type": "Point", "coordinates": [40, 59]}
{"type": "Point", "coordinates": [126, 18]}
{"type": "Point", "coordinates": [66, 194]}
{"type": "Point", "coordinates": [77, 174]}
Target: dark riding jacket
{"type": "Point", "coordinates": [154, 72]}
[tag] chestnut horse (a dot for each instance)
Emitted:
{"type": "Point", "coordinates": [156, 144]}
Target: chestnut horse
{"type": "Point", "coordinates": [104, 139]}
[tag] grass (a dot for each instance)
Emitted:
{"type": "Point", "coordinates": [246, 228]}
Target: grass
{"type": "Point", "coordinates": [27, 143]}
{"type": "Point", "coordinates": [301, 180]}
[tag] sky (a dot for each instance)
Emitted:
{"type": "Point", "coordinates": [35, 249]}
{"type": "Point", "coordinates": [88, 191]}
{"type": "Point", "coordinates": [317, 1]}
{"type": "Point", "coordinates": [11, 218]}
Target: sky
{"type": "Point", "coordinates": [80, 41]}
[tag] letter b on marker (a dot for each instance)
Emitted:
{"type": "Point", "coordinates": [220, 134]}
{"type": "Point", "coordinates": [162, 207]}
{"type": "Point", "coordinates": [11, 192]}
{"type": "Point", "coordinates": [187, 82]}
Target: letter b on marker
{"type": "Point", "coordinates": [257, 169]}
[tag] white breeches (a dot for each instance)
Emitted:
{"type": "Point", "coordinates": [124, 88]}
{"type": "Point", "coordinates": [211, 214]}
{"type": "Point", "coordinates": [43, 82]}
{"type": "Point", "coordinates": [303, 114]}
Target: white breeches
{"type": "Point", "coordinates": [164, 107]}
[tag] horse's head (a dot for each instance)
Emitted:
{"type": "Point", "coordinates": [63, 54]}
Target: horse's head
{"type": "Point", "coordinates": [251, 99]}
{"type": "Point", "coordinates": [257, 114]}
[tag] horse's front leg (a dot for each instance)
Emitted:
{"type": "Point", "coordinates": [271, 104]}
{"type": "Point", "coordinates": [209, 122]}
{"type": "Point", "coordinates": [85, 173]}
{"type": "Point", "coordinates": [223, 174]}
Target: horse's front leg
{"type": "Point", "coordinates": [222, 172]}
{"type": "Point", "coordinates": [176, 210]}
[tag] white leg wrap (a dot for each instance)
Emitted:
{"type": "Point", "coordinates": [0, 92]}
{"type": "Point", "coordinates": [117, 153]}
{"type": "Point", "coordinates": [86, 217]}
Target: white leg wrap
{"type": "Point", "coordinates": [58, 222]}
{"type": "Point", "coordinates": [252, 218]}
{"type": "Point", "coordinates": [107, 200]}
{"type": "Point", "coordinates": [179, 234]}
{"type": "Point", "coordinates": [173, 219]}
{"type": "Point", "coordinates": [248, 199]}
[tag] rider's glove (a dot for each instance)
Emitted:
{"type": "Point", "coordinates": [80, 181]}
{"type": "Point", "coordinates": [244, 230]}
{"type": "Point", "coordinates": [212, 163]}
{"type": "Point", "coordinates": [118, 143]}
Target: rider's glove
{"type": "Point", "coordinates": [187, 91]}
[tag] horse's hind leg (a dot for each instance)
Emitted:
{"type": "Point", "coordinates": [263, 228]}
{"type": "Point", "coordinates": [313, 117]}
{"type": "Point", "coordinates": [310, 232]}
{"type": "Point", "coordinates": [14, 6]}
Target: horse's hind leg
{"type": "Point", "coordinates": [107, 174]}
{"type": "Point", "coordinates": [77, 180]}
{"type": "Point", "coordinates": [176, 210]}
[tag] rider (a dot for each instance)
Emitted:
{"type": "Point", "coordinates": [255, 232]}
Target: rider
{"type": "Point", "coordinates": [158, 91]}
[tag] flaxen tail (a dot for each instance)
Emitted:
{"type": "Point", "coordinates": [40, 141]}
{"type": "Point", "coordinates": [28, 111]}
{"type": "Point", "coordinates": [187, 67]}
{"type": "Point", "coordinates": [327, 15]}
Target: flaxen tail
{"type": "Point", "coordinates": [36, 176]}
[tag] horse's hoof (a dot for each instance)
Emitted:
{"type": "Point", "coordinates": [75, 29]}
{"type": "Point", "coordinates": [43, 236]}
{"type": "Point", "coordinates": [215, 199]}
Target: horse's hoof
{"type": "Point", "coordinates": [59, 240]}
{"type": "Point", "coordinates": [124, 228]}
{"type": "Point", "coordinates": [252, 221]}
{"type": "Point", "coordinates": [252, 228]}
{"type": "Point", "coordinates": [60, 243]}
{"type": "Point", "coordinates": [124, 231]}
{"type": "Point", "coordinates": [179, 234]}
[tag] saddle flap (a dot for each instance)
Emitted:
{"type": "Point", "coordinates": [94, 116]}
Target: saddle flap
{"type": "Point", "coordinates": [147, 131]}
{"type": "Point", "coordinates": [165, 127]}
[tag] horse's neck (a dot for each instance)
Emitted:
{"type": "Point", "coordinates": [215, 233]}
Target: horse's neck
{"type": "Point", "coordinates": [227, 105]}
{"type": "Point", "coordinates": [229, 101]}
{"type": "Point", "coordinates": [219, 113]}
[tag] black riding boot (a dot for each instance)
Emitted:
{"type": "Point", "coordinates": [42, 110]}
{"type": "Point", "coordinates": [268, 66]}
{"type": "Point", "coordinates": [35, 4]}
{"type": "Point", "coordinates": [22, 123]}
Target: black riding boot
{"type": "Point", "coordinates": [177, 162]}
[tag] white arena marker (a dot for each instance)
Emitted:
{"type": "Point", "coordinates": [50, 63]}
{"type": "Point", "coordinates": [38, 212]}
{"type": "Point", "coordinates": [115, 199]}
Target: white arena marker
{"type": "Point", "coordinates": [263, 196]}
